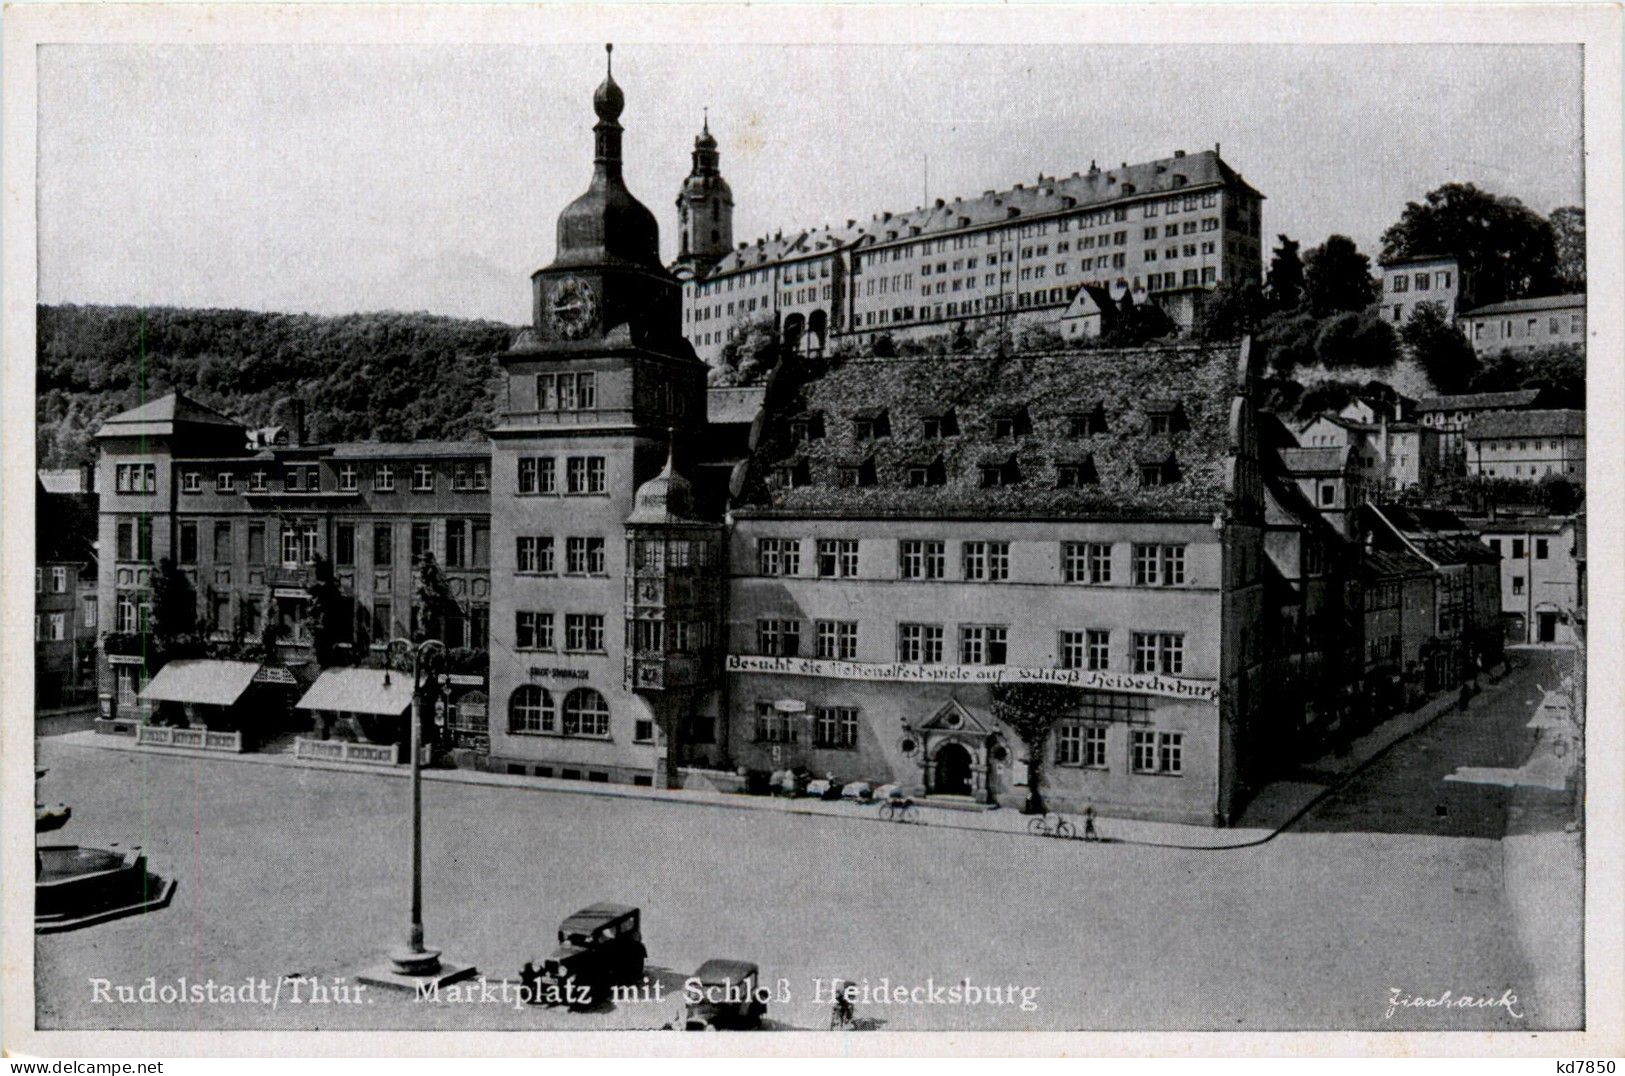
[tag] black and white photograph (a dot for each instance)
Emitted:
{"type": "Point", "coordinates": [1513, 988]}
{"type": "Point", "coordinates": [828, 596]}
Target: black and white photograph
{"type": "Point", "coordinates": [744, 521]}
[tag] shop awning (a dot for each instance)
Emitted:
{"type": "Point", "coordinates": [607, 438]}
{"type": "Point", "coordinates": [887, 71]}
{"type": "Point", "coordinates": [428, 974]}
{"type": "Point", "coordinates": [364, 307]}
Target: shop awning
{"type": "Point", "coordinates": [201, 680]}
{"type": "Point", "coordinates": [359, 691]}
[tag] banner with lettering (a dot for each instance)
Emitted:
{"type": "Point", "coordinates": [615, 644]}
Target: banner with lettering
{"type": "Point", "coordinates": [898, 672]}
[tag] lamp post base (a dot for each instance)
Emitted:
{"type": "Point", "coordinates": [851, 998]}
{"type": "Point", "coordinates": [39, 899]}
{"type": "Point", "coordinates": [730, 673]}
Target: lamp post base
{"type": "Point", "coordinates": [391, 977]}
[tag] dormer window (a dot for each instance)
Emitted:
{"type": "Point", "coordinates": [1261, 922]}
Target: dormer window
{"type": "Point", "coordinates": [1158, 472]}
{"type": "Point", "coordinates": [927, 472]}
{"type": "Point", "coordinates": [1012, 422]}
{"type": "Point", "coordinates": [858, 473]}
{"type": "Point", "coordinates": [792, 474]}
{"type": "Point", "coordinates": [998, 471]}
{"type": "Point", "coordinates": [807, 427]}
{"type": "Point", "coordinates": [1165, 416]}
{"type": "Point", "coordinates": [257, 482]}
{"type": "Point", "coordinates": [1086, 423]}
{"type": "Point", "coordinates": [294, 480]}
{"type": "Point", "coordinates": [1070, 473]}
{"type": "Point", "coordinates": [942, 424]}
{"type": "Point", "coordinates": [870, 424]}
{"type": "Point", "coordinates": [225, 482]}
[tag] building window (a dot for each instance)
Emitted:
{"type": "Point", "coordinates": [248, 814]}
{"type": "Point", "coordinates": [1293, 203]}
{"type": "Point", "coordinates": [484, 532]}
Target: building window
{"type": "Point", "coordinates": [256, 543]}
{"type": "Point", "coordinates": [136, 478]}
{"type": "Point", "coordinates": [1495, 545]}
{"type": "Point", "coordinates": [1517, 584]}
{"type": "Point", "coordinates": [986, 562]}
{"type": "Point", "coordinates": [584, 632]}
{"type": "Point", "coordinates": [530, 709]}
{"type": "Point", "coordinates": [919, 644]}
{"type": "Point", "coordinates": [1159, 652]}
{"type": "Point", "coordinates": [922, 559]}
{"type": "Point", "coordinates": [778, 556]}
{"type": "Point", "coordinates": [534, 553]}
{"type": "Point", "coordinates": [586, 714]}
{"type": "Point", "coordinates": [87, 613]}
{"type": "Point", "coordinates": [778, 637]}
{"type": "Point", "coordinates": [837, 640]}
{"type": "Point", "coordinates": [935, 427]}
{"type": "Point", "coordinates": [383, 479]}
{"type": "Point", "coordinates": [1086, 562]}
{"type": "Point", "coordinates": [1157, 752]}
{"type": "Point", "coordinates": [349, 477]}
{"type": "Point", "coordinates": [1517, 549]}
{"type": "Point", "coordinates": [983, 644]}
{"type": "Point", "coordinates": [59, 580]}
{"type": "Point", "coordinates": [774, 727]}
{"type": "Point", "coordinates": [835, 727]}
{"type": "Point", "coordinates": [1080, 745]}
{"type": "Point", "coordinates": [1541, 548]}
{"type": "Point", "coordinates": [532, 630]}
{"type": "Point", "coordinates": [584, 556]}
{"type": "Point", "coordinates": [422, 541]}
{"type": "Point", "coordinates": [191, 482]}
{"type": "Point", "coordinates": [383, 544]}
{"type": "Point", "coordinates": [422, 478]}
{"type": "Point", "coordinates": [837, 557]}
{"type": "Point", "coordinates": [225, 482]}
{"type": "Point", "coordinates": [1159, 565]}
{"type": "Point", "coordinates": [584, 474]}
{"type": "Point", "coordinates": [290, 546]}
{"type": "Point", "coordinates": [871, 424]}
{"type": "Point", "coordinates": [258, 482]}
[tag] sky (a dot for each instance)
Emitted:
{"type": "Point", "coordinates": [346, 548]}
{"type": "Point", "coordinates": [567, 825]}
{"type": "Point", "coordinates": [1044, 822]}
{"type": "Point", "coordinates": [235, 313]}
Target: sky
{"type": "Point", "coordinates": [336, 179]}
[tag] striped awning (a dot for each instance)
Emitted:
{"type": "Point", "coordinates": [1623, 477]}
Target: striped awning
{"type": "Point", "coordinates": [201, 680]}
{"type": "Point", "coordinates": [359, 691]}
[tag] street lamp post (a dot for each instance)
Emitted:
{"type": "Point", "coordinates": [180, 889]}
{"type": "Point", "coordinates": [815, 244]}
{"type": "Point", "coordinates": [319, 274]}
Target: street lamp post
{"type": "Point", "coordinates": [413, 964]}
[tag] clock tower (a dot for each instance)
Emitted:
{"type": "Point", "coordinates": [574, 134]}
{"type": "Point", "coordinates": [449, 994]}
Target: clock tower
{"type": "Point", "coordinates": [598, 387]}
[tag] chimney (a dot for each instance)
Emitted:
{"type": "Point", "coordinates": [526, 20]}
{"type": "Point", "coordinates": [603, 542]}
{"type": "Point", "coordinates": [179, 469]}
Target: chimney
{"type": "Point", "coordinates": [1179, 153]}
{"type": "Point", "coordinates": [298, 422]}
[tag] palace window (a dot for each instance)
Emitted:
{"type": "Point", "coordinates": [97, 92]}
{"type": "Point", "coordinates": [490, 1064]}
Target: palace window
{"type": "Point", "coordinates": [983, 644]}
{"type": "Point", "coordinates": [349, 477]}
{"type": "Point", "coordinates": [775, 727]}
{"type": "Point", "coordinates": [225, 482]}
{"type": "Point", "coordinates": [136, 478]}
{"type": "Point", "coordinates": [778, 637]}
{"type": "Point", "coordinates": [1157, 752]}
{"type": "Point", "coordinates": [537, 474]}
{"type": "Point", "coordinates": [919, 644]}
{"type": "Point", "coordinates": [383, 479]}
{"type": "Point", "coordinates": [383, 544]}
{"type": "Point", "coordinates": [837, 640]}
{"type": "Point", "coordinates": [1080, 745]}
{"type": "Point", "coordinates": [1086, 562]}
{"type": "Point", "coordinates": [987, 562]}
{"type": "Point", "coordinates": [835, 727]}
{"type": "Point", "coordinates": [778, 556]}
{"type": "Point", "coordinates": [584, 556]}
{"type": "Point", "coordinates": [422, 478]}
{"type": "Point", "coordinates": [584, 474]}
{"type": "Point", "coordinates": [922, 559]}
{"type": "Point", "coordinates": [192, 482]}
{"type": "Point", "coordinates": [837, 557]}
{"type": "Point", "coordinates": [1159, 565]}
{"type": "Point", "coordinates": [584, 632]}
{"type": "Point", "coordinates": [1159, 652]}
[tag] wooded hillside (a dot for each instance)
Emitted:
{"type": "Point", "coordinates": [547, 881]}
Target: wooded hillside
{"type": "Point", "coordinates": [388, 376]}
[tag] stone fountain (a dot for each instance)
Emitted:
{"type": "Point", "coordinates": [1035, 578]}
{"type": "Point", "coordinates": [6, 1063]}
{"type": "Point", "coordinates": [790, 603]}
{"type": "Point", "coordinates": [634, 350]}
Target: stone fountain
{"type": "Point", "coordinates": [77, 886]}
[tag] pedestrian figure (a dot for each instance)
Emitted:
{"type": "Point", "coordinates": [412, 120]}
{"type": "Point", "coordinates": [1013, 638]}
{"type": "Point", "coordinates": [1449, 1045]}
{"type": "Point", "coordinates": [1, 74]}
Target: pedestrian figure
{"type": "Point", "coordinates": [528, 981]}
{"type": "Point", "coordinates": [1089, 833]}
{"type": "Point", "coordinates": [1461, 700]}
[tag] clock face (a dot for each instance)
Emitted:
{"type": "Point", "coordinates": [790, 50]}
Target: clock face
{"type": "Point", "coordinates": [574, 307]}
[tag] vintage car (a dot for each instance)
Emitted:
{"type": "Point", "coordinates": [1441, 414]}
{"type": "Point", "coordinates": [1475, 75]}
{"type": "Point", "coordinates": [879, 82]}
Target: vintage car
{"type": "Point", "coordinates": [600, 946]}
{"type": "Point", "coordinates": [724, 994]}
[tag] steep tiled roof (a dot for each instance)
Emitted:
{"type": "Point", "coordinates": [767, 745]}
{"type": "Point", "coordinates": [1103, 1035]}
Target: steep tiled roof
{"type": "Point", "coordinates": [1376, 564]}
{"type": "Point", "coordinates": [1528, 306]}
{"type": "Point", "coordinates": [156, 416]}
{"type": "Point", "coordinates": [1528, 424]}
{"type": "Point", "coordinates": [1480, 401]}
{"type": "Point", "coordinates": [1049, 384]}
{"type": "Point", "coordinates": [1436, 533]}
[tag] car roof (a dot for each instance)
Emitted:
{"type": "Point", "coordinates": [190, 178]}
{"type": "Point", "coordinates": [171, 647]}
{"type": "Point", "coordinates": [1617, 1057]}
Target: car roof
{"type": "Point", "coordinates": [717, 970]}
{"type": "Point", "coordinates": [596, 915]}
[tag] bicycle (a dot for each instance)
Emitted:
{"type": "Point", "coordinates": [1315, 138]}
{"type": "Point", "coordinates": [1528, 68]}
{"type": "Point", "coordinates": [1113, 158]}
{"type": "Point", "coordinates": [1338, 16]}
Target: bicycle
{"type": "Point", "coordinates": [1051, 825]}
{"type": "Point", "coordinates": [899, 811]}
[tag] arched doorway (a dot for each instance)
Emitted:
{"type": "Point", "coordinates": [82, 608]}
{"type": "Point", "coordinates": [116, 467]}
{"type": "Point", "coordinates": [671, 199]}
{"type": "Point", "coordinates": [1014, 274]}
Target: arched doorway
{"type": "Point", "coordinates": [951, 775]}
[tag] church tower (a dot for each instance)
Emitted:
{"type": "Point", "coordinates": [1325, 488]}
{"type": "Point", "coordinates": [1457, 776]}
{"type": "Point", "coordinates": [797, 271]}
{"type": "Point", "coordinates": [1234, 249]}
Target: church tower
{"type": "Point", "coordinates": [705, 210]}
{"type": "Point", "coordinates": [599, 387]}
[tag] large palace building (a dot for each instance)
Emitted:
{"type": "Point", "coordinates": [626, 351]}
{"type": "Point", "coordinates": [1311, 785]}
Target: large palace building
{"type": "Point", "coordinates": [1168, 230]}
{"type": "Point", "coordinates": [968, 575]}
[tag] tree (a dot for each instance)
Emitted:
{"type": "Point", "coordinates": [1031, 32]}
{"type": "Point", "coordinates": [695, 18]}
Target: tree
{"type": "Point", "coordinates": [1288, 340]}
{"type": "Point", "coordinates": [1337, 277]}
{"type": "Point", "coordinates": [1560, 370]}
{"type": "Point", "coordinates": [174, 612]}
{"type": "Point", "coordinates": [1350, 340]}
{"type": "Point", "coordinates": [751, 350]}
{"type": "Point", "coordinates": [1284, 284]}
{"type": "Point", "coordinates": [436, 605]}
{"type": "Point", "coordinates": [1029, 710]}
{"type": "Point", "coordinates": [1569, 236]}
{"type": "Point", "coordinates": [332, 617]}
{"type": "Point", "coordinates": [1504, 249]}
{"type": "Point", "coordinates": [1439, 349]}
{"type": "Point", "coordinates": [1561, 495]}
{"type": "Point", "coordinates": [1230, 311]}
{"type": "Point", "coordinates": [1135, 325]}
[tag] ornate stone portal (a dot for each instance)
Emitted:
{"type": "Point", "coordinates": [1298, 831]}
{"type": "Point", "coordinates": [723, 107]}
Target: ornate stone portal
{"type": "Point", "coordinates": [957, 753]}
